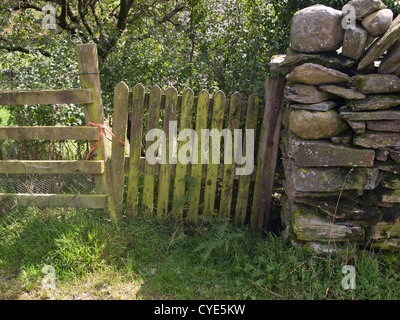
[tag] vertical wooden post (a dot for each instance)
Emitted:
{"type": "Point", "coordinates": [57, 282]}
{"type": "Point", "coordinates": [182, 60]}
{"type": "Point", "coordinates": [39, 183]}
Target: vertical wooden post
{"type": "Point", "coordinates": [120, 121]}
{"type": "Point", "coordinates": [268, 152]}
{"type": "Point", "coordinates": [94, 112]}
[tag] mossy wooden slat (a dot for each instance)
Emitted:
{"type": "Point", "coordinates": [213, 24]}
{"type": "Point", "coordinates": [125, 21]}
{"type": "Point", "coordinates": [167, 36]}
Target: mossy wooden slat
{"type": "Point", "coordinates": [149, 178]}
{"type": "Point", "coordinates": [56, 200]}
{"type": "Point", "coordinates": [197, 169]}
{"type": "Point", "coordinates": [244, 181]}
{"type": "Point", "coordinates": [60, 166]}
{"type": "Point", "coordinates": [137, 105]}
{"type": "Point", "coordinates": [21, 98]}
{"type": "Point", "coordinates": [89, 77]}
{"type": "Point", "coordinates": [229, 166]}
{"type": "Point", "coordinates": [212, 167]}
{"type": "Point", "coordinates": [268, 153]}
{"type": "Point", "coordinates": [49, 133]}
{"type": "Point", "coordinates": [120, 121]}
{"type": "Point", "coordinates": [181, 168]}
{"type": "Point", "coordinates": [164, 172]}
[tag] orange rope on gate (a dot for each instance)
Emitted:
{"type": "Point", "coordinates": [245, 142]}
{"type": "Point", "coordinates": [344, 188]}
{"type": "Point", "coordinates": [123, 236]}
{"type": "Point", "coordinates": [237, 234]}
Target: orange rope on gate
{"type": "Point", "coordinates": [102, 127]}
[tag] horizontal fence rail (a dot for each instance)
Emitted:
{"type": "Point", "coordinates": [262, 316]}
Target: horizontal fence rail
{"type": "Point", "coordinates": [49, 133]}
{"type": "Point", "coordinates": [56, 200]}
{"type": "Point", "coordinates": [60, 166]}
{"type": "Point", "coordinates": [33, 97]}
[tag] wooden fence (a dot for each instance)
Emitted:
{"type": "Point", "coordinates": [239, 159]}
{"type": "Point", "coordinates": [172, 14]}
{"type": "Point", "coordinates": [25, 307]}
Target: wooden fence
{"type": "Point", "coordinates": [89, 96]}
{"type": "Point", "coordinates": [185, 190]}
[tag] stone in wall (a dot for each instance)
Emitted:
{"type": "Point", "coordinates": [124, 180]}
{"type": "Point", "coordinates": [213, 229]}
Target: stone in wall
{"type": "Point", "coordinates": [378, 22]}
{"type": "Point", "coordinates": [317, 29]}
{"type": "Point", "coordinates": [319, 153]}
{"type": "Point", "coordinates": [364, 8]}
{"type": "Point", "coordinates": [323, 106]}
{"type": "Point", "coordinates": [307, 94]}
{"type": "Point", "coordinates": [384, 126]}
{"type": "Point", "coordinates": [330, 179]}
{"type": "Point", "coordinates": [312, 125]}
{"type": "Point", "coordinates": [311, 226]}
{"type": "Point", "coordinates": [346, 93]}
{"type": "Point", "coordinates": [375, 102]}
{"type": "Point", "coordinates": [370, 116]}
{"type": "Point", "coordinates": [355, 42]}
{"type": "Point", "coordinates": [375, 83]}
{"type": "Point", "coordinates": [292, 59]}
{"type": "Point", "coordinates": [375, 140]}
{"type": "Point", "coordinates": [315, 74]}
{"type": "Point", "coordinates": [391, 61]}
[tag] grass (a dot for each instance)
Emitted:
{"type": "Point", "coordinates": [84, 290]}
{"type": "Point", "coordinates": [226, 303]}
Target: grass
{"type": "Point", "coordinates": [148, 259]}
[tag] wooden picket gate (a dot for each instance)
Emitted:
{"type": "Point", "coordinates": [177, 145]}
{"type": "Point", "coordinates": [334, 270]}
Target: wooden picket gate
{"type": "Point", "coordinates": [185, 191]}
{"type": "Point", "coordinates": [188, 190]}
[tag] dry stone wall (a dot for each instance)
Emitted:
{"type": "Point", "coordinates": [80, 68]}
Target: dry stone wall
{"type": "Point", "coordinates": [341, 136]}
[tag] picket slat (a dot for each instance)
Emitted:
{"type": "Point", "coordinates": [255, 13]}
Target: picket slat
{"type": "Point", "coordinates": [212, 167]}
{"type": "Point", "coordinates": [229, 168]}
{"type": "Point", "coordinates": [244, 180]}
{"type": "Point", "coordinates": [137, 104]}
{"type": "Point", "coordinates": [149, 177]}
{"type": "Point", "coordinates": [181, 169]}
{"type": "Point", "coordinates": [120, 120]}
{"type": "Point", "coordinates": [197, 169]}
{"type": "Point", "coordinates": [165, 174]}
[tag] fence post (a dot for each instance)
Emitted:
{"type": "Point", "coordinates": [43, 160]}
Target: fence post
{"type": "Point", "coordinates": [94, 112]}
{"type": "Point", "coordinates": [268, 152]}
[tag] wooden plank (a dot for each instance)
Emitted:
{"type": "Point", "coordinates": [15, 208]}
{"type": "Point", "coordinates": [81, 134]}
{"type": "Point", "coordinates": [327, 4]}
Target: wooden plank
{"type": "Point", "coordinates": [120, 121]}
{"type": "Point", "coordinates": [56, 200]}
{"type": "Point", "coordinates": [32, 97]}
{"type": "Point", "coordinates": [88, 67]}
{"type": "Point", "coordinates": [244, 181]}
{"type": "Point", "coordinates": [137, 103]}
{"type": "Point", "coordinates": [181, 168]}
{"type": "Point", "coordinates": [149, 178]}
{"type": "Point", "coordinates": [49, 133]}
{"type": "Point", "coordinates": [268, 152]}
{"type": "Point", "coordinates": [212, 168]}
{"type": "Point", "coordinates": [197, 169]}
{"type": "Point", "coordinates": [60, 166]}
{"type": "Point", "coordinates": [164, 172]}
{"type": "Point", "coordinates": [229, 169]}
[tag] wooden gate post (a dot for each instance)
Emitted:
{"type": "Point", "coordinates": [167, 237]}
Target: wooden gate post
{"type": "Point", "coordinates": [94, 112]}
{"type": "Point", "coordinates": [268, 152]}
